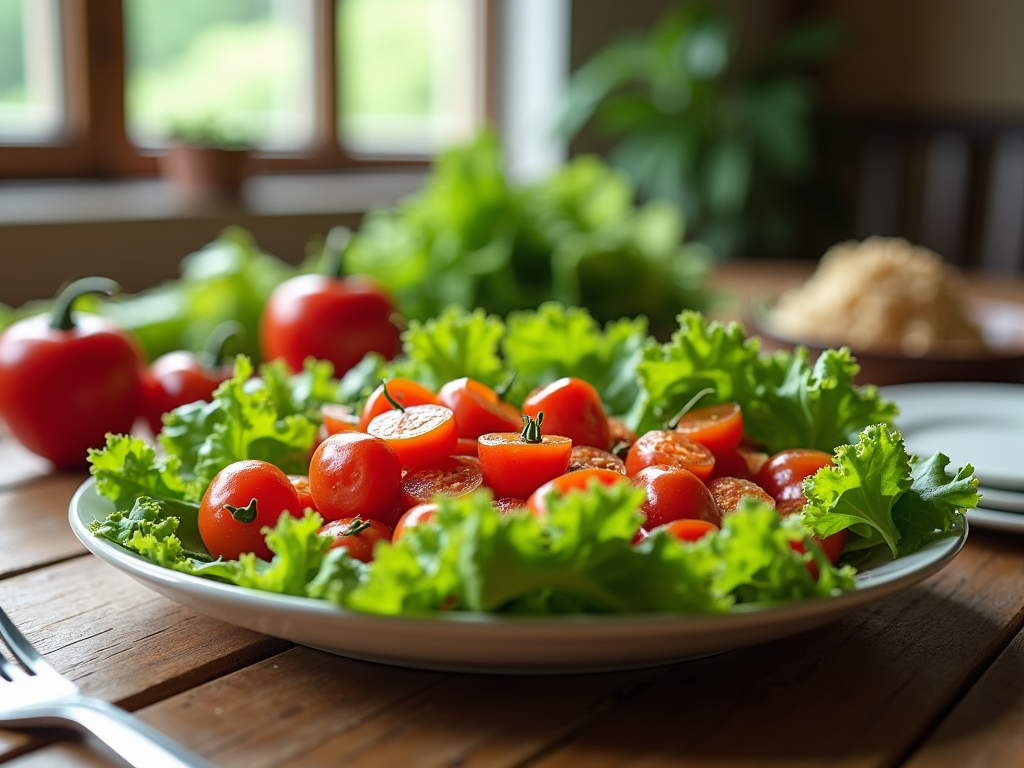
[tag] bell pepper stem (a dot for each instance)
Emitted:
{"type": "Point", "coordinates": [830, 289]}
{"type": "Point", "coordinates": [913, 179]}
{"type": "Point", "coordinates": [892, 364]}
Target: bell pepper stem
{"type": "Point", "coordinates": [61, 318]}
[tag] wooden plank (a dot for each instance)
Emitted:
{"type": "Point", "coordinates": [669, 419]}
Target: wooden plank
{"type": "Point", "coordinates": [119, 640]}
{"type": "Point", "coordinates": [18, 464]}
{"type": "Point", "coordinates": [987, 727]}
{"type": "Point", "coordinates": [34, 518]}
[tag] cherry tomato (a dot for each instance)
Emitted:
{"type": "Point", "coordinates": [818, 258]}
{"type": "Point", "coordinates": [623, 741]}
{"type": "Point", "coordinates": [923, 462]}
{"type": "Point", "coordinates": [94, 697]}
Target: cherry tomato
{"type": "Point", "coordinates": [466, 447]}
{"type": "Point", "coordinates": [241, 500]}
{"type": "Point", "coordinates": [831, 546]}
{"type": "Point", "coordinates": [572, 409]}
{"type": "Point", "coordinates": [674, 493]}
{"type": "Point", "coordinates": [329, 318]}
{"type": "Point", "coordinates": [755, 459]}
{"type": "Point", "coordinates": [730, 464]}
{"type": "Point", "coordinates": [418, 434]}
{"type": "Point", "coordinates": [301, 485]}
{"type": "Point", "coordinates": [783, 474]}
{"type": "Point", "coordinates": [672, 448]}
{"type": "Point", "coordinates": [508, 505]}
{"type": "Point", "coordinates": [176, 379]}
{"type": "Point", "coordinates": [353, 474]}
{"type": "Point", "coordinates": [586, 456]}
{"type": "Point", "coordinates": [620, 437]}
{"type": "Point", "coordinates": [66, 381]}
{"type": "Point", "coordinates": [339, 418]}
{"type": "Point", "coordinates": [478, 409]}
{"type": "Point", "coordinates": [450, 476]}
{"type": "Point", "coordinates": [421, 514]}
{"type": "Point", "coordinates": [516, 464]}
{"type": "Point", "coordinates": [405, 392]}
{"type": "Point", "coordinates": [356, 535]}
{"type": "Point", "coordinates": [689, 530]}
{"type": "Point", "coordinates": [718, 427]}
{"type": "Point", "coordinates": [728, 492]}
{"type": "Point", "coordinates": [572, 481]}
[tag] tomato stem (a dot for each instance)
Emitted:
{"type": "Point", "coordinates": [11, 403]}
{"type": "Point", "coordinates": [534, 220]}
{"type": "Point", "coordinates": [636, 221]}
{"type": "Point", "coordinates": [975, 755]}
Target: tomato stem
{"type": "Point", "coordinates": [246, 514]}
{"type": "Point", "coordinates": [531, 429]}
{"type": "Point", "coordinates": [390, 399]}
{"type": "Point", "coordinates": [61, 318]}
{"type": "Point", "coordinates": [219, 339]}
{"type": "Point", "coordinates": [335, 246]}
{"type": "Point", "coordinates": [356, 525]}
{"type": "Point", "coordinates": [674, 421]}
{"type": "Point", "coordinates": [502, 389]}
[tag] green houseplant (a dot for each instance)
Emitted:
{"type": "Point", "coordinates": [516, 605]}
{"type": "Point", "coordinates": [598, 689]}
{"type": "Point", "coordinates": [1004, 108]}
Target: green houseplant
{"type": "Point", "coordinates": [732, 143]}
{"type": "Point", "coordinates": [206, 162]}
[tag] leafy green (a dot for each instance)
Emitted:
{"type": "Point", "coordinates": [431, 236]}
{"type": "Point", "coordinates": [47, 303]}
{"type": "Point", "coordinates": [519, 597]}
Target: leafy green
{"type": "Point", "coordinates": [786, 402]}
{"type": "Point", "coordinates": [883, 495]}
{"type": "Point", "coordinates": [146, 530]}
{"type": "Point", "coordinates": [455, 344]}
{"type": "Point", "coordinates": [241, 422]}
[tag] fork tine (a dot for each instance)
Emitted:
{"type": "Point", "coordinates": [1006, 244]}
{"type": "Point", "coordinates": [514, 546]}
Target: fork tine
{"type": "Point", "coordinates": [22, 648]}
{"type": "Point", "coordinates": [9, 670]}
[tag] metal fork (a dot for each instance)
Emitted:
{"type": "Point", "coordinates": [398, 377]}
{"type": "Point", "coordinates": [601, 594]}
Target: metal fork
{"type": "Point", "coordinates": [35, 694]}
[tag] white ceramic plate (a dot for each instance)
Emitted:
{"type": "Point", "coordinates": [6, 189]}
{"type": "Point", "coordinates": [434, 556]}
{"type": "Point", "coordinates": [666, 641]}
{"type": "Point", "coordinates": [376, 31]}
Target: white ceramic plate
{"type": "Point", "coordinates": [996, 520]}
{"type": "Point", "coordinates": [1006, 501]}
{"type": "Point", "coordinates": [495, 644]}
{"type": "Point", "coordinates": [981, 424]}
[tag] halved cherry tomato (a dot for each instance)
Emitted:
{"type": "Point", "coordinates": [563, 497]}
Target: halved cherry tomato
{"type": "Point", "coordinates": [674, 493]}
{"type": "Point", "coordinates": [517, 463]}
{"type": "Point", "coordinates": [338, 418]}
{"type": "Point", "coordinates": [508, 505]}
{"type": "Point", "coordinates": [405, 392]}
{"type": "Point", "coordinates": [240, 501]}
{"type": "Point", "coordinates": [356, 535]}
{"type": "Point", "coordinates": [353, 474]}
{"type": "Point", "coordinates": [718, 427]}
{"type": "Point", "coordinates": [450, 476]}
{"type": "Point", "coordinates": [689, 530]}
{"type": "Point", "coordinates": [421, 514]}
{"type": "Point", "coordinates": [755, 459]}
{"type": "Point", "coordinates": [418, 433]}
{"type": "Point", "coordinates": [587, 457]}
{"type": "Point", "coordinates": [572, 408]}
{"type": "Point", "coordinates": [478, 409]}
{"type": "Point", "coordinates": [573, 481]}
{"type": "Point", "coordinates": [728, 492]}
{"type": "Point", "coordinates": [783, 474]}
{"type": "Point", "coordinates": [661, 446]}
{"type": "Point", "coordinates": [620, 437]}
{"type": "Point", "coordinates": [301, 485]}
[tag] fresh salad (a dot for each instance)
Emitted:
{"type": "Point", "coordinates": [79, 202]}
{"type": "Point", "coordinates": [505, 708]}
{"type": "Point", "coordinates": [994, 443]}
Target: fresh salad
{"type": "Point", "coordinates": [536, 464]}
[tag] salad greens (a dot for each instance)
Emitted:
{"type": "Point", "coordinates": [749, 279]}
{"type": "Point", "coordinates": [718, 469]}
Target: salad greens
{"type": "Point", "coordinates": [580, 557]}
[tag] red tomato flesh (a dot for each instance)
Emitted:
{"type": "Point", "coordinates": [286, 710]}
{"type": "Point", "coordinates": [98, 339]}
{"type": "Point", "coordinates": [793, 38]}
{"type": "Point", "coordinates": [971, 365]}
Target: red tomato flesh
{"type": "Point", "coordinates": [450, 476]}
{"type": "Point", "coordinates": [672, 448]}
{"type": "Point", "coordinates": [419, 434]}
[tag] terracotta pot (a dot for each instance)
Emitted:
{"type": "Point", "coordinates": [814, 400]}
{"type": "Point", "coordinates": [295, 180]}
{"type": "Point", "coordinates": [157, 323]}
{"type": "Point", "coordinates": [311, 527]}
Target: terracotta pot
{"type": "Point", "coordinates": [205, 175]}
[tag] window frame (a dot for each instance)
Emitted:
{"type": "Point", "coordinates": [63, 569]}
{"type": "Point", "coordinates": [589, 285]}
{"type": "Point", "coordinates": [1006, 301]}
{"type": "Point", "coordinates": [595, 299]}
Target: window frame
{"type": "Point", "coordinates": [96, 143]}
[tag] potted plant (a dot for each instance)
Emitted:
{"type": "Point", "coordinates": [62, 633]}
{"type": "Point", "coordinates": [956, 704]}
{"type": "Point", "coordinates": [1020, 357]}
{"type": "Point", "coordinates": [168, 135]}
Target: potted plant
{"type": "Point", "coordinates": [206, 162]}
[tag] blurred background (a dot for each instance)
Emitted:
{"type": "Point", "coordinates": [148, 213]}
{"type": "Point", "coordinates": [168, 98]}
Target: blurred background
{"type": "Point", "coordinates": [500, 152]}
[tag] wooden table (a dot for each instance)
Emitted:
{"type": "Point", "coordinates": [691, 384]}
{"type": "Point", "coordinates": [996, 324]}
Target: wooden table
{"type": "Point", "coordinates": [933, 676]}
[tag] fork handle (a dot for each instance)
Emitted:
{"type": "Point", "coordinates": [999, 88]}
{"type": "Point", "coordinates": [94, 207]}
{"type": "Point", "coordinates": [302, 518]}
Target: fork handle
{"type": "Point", "coordinates": [135, 742]}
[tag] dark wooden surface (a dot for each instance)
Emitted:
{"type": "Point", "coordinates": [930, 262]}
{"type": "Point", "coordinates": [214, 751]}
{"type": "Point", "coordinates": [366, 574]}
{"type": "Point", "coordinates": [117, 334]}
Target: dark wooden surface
{"type": "Point", "coordinates": [933, 676]}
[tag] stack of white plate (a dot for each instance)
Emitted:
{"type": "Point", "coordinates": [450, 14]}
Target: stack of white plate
{"type": "Point", "coordinates": [981, 424]}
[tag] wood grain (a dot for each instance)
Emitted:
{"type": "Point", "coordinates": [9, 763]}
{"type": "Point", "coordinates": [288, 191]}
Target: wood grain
{"type": "Point", "coordinates": [34, 518]}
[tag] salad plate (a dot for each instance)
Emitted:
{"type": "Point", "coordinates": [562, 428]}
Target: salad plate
{"type": "Point", "coordinates": [497, 644]}
{"type": "Point", "coordinates": [977, 423]}
{"type": "Point", "coordinates": [996, 520]}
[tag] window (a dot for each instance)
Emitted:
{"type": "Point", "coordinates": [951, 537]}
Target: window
{"type": "Point", "coordinates": [96, 87]}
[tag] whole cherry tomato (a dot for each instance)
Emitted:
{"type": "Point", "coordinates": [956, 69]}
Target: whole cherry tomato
{"type": "Point", "coordinates": [579, 480]}
{"type": "Point", "coordinates": [517, 463]}
{"type": "Point", "coordinates": [478, 409]}
{"type": "Point", "coordinates": [573, 409]}
{"type": "Point", "coordinates": [329, 318]}
{"type": "Point", "coordinates": [421, 514]}
{"type": "Point", "coordinates": [689, 530]}
{"type": "Point", "coordinates": [661, 446]}
{"type": "Point", "coordinates": [782, 476]}
{"type": "Point", "coordinates": [356, 535]}
{"type": "Point", "coordinates": [67, 380]}
{"type": "Point", "coordinates": [182, 377]}
{"type": "Point", "coordinates": [405, 392]}
{"type": "Point", "coordinates": [674, 493]}
{"type": "Point", "coordinates": [338, 418]}
{"type": "Point", "coordinates": [240, 501]}
{"type": "Point", "coordinates": [353, 474]}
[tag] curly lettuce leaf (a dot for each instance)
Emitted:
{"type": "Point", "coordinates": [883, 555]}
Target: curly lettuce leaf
{"type": "Point", "coordinates": [786, 401]}
{"type": "Point", "coordinates": [884, 496]}
{"type": "Point", "coordinates": [456, 343]}
{"type": "Point", "coordinates": [241, 422]}
{"type": "Point", "coordinates": [145, 529]}
{"type": "Point", "coordinates": [556, 341]}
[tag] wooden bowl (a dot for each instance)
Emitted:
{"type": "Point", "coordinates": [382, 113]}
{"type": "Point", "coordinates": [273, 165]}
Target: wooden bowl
{"type": "Point", "coordinates": [1002, 324]}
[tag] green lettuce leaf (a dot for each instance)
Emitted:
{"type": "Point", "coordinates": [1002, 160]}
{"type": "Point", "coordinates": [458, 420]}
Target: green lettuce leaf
{"type": "Point", "coordinates": [144, 529]}
{"type": "Point", "coordinates": [935, 501]}
{"type": "Point", "coordinates": [455, 344]}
